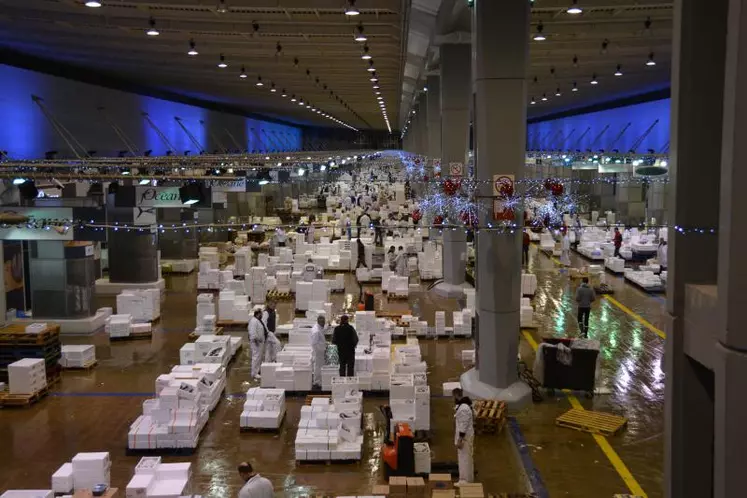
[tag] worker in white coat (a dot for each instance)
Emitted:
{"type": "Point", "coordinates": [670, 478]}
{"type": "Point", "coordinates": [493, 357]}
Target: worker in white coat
{"type": "Point", "coordinates": [255, 486]}
{"type": "Point", "coordinates": [319, 349]}
{"type": "Point", "coordinates": [565, 250]}
{"type": "Point", "coordinates": [257, 333]}
{"type": "Point", "coordinates": [464, 436]}
{"type": "Point", "coordinates": [401, 262]}
{"type": "Point", "coordinates": [661, 254]}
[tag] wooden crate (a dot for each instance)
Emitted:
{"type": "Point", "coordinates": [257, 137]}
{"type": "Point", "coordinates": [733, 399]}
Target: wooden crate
{"type": "Point", "coordinates": [602, 423]}
{"type": "Point", "coordinates": [15, 334]}
{"type": "Point", "coordinates": [133, 336]}
{"type": "Point", "coordinates": [193, 337]}
{"type": "Point", "coordinates": [490, 416]}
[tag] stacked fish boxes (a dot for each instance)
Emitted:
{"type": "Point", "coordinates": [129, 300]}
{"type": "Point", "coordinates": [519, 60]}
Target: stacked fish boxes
{"type": "Point", "coordinates": [304, 292]}
{"type": "Point", "coordinates": [78, 356]}
{"type": "Point", "coordinates": [528, 284]}
{"type": "Point", "coordinates": [175, 418]}
{"type": "Point", "coordinates": [209, 256]}
{"type": "Point", "coordinates": [242, 261]}
{"type": "Point", "coordinates": [463, 323]}
{"type": "Point", "coordinates": [154, 479]}
{"type": "Point", "coordinates": [399, 286]}
{"type": "Point", "coordinates": [84, 471]}
{"type": "Point", "coordinates": [144, 305]}
{"type": "Point", "coordinates": [263, 408]}
{"type": "Point", "coordinates": [320, 290]}
{"type": "Point", "coordinates": [232, 307]}
{"type": "Point", "coordinates": [526, 313]}
{"type": "Point", "coordinates": [292, 371]}
{"type": "Point", "coordinates": [208, 277]}
{"type": "Point", "coordinates": [206, 316]}
{"type": "Point", "coordinates": [118, 325]}
{"type": "Point", "coordinates": [27, 376]}
{"type": "Point", "coordinates": [440, 323]}
{"type": "Point", "coordinates": [331, 429]}
{"type": "Point", "coordinates": [283, 281]}
{"type": "Point", "coordinates": [256, 284]}
{"type": "Point", "coordinates": [430, 265]}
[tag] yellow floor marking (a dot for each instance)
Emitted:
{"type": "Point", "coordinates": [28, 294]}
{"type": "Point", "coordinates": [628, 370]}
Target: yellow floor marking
{"type": "Point", "coordinates": [604, 445]}
{"type": "Point", "coordinates": [636, 317]}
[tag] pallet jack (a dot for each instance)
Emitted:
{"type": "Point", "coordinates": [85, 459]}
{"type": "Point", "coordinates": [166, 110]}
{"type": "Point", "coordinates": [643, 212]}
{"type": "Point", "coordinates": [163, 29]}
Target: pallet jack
{"type": "Point", "coordinates": [398, 454]}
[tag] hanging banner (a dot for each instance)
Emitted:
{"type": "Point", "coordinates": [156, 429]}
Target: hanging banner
{"type": "Point", "coordinates": [144, 216]}
{"type": "Point", "coordinates": [503, 191]}
{"type": "Point", "coordinates": [160, 197]}
{"type": "Point", "coordinates": [227, 185]}
{"type": "Point", "coordinates": [19, 223]}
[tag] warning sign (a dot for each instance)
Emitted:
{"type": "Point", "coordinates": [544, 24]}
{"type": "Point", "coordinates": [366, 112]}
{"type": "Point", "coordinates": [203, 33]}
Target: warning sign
{"type": "Point", "coordinates": [456, 169]}
{"type": "Point", "coordinates": [503, 191]}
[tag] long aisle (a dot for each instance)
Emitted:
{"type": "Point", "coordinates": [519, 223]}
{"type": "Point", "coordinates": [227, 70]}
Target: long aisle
{"type": "Point", "coordinates": [631, 373]}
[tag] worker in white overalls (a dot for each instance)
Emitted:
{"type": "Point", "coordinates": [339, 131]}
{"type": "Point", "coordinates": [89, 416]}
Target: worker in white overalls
{"type": "Point", "coordinates": [464, 436]}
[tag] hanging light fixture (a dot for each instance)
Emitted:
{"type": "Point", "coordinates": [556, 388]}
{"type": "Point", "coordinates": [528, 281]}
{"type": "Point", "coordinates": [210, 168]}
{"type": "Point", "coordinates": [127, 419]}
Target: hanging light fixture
{"type": "Point", "coordinates": [618, 72]}
{"type": "Point", "coordinates": [152, 31]}
{"type": "Point", "coordinates": [575, 61]}
{"type": "Point", "coordinates": [539, 36]}
{"type": "Point", "coordinates": [259, 81]}
{"type": "Point", "coordinates": [222, 64]}
{"type": "Point", "coordinates": [574, 9]}
{"type": "Point", "coordinates": [594, 79]}
{"type": "Point", "coordinates": [192, 49]}
{"type": "Point", "coordinates": [366, 56]}
{"type": "Point", "coordinates": [282, 93]}
{"type": "Point", "coordinates": [544, 98]}
{"type": "Point", "coordinates": [373, 77]}
{"type": "Point", "coordinates": [575, 87]}
{"type": "Point", "coordinates": [293, 98]}
{"type": "Point", "coordinates": [243, 73]}
{"type": "Point", "coordinates": [651, 61]}
{"type": "Point", "coordinates": [371, 68]}
{"type": "Point", "coordinates": [300, 101]}
{"type": "Point", "coordinates": [351, 10]}
{"type": "Point", "coordinates": [557, 92]}
{"type": "Point", "coordinates": [532, 101]}
{"type": "Point", "coordinates": [221, 8]}
{"type": "Point", "coordinates": [359, 36]}
{"type": "Point", "coordinates": [93, 4]}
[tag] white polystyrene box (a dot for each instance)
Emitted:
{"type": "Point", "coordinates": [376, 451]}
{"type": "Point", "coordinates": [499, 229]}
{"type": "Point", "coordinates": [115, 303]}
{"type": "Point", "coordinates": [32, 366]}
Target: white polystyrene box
{"type": "Point", "coordinates": [139, 485]}
{"type": "Point", "coordinates": [62, 479]}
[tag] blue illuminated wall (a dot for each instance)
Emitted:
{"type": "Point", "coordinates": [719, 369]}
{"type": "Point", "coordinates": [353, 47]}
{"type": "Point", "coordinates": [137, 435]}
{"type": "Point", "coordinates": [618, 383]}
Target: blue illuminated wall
{"type": "Point", "coordinates": [26, 134]}
{"type": "Point", "coordinates": [640, 117]}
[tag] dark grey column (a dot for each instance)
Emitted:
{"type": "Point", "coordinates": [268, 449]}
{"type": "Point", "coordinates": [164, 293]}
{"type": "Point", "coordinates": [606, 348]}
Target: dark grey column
{"type": "Point", "coordinates": [697, 102]}
{"type": "Point", "coordinates": [731, 361]}
{"type": "Point", "coordinates": [433, 99]}
{"type": "Point", "coordinates": [500, 126]}
{"type": "Point", "coordinates": [177, 244]}
{"type": "Point", "coordinates": [62, 280]}
{"type": "Point", "coordinates": [456, 89]}
{"type": "Point", "coordinates": [133, 256]}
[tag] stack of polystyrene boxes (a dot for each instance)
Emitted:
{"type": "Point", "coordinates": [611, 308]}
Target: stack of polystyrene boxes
{"type": "Point", "coordinates": [468, 357]}
{"type": "Point", "coordinates": [528, 284]}
{"type": "Point", "coordinates": [144, 305]}
{"type": "Point", "coordinates": [283, 281]}
{"type": "Point", "coordinates": [320, 291]}
{"type": "Point", "coordinates": [256, 284]}
{"type": "Point", "coordinates": [526, 313]}
{"type": "Point", "coordinates": [213, 349]}
{"type": "Point", "coordinates": [118, 325]}
{"type": "Point", "coordinates": [429, 262]}
{"type": "Point", "coordinates": [399, 286]}
{"type": "Point", "coordinates": [615, 264]}
{"type": "Point", "coordinates": [263, 408]}
{"type": "Point", "coordinates": [304, 292]}
{"type": "Point", "coordinates": [205, 314]}
{"type": "Point", "coordinates": [63, 481]}
{"type": "Point", "coordinates": [422, 406]}
{"type": "Point", "coordinates": [285, 254]}
{"type": "Point", "coordinates": [78, 356]}
{"type": "Point", "coordinates": [402, 399]}
{"type": "Point", "coordinates": [90, 469]}
{"type": "Point", "coordinates": [440, 323]}
{"type": "Point", "coordinates": [209, 255]}
{"type": "Point", "coordinates": [27, 376]}
{"type": "Point", "coordinates": [463, 323]}
{"type": "Point", "coordinates": [233, 307]}
{"type": "Point", "coordinates": [422, 458]}
{"type": "Point", "coordinates": [154, 479]}
{"type": "Point", "coordinates": [331, 431]}
{"type": "Point", "coordinates": [208, 277]}
{"type": "Point", "coordinates": [242, 261]}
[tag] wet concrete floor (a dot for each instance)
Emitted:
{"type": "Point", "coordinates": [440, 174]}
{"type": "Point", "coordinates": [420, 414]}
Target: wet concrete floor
{"type": "Point", "coordinates": [92, 411]}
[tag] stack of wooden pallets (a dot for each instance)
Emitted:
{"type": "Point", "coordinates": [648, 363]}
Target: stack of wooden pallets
{"type": "Point", "coordinates": [16, 344]}
{"type": "Point", "coordinates": [490, 416]}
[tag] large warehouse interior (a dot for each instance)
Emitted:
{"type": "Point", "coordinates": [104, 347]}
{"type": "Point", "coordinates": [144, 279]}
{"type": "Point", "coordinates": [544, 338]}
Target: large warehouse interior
{"type": "Point", "coordinates": [372, 248]}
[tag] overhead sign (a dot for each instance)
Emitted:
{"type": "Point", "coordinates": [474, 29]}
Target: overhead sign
{"type": "Point", "coordinates": [227, 185]}
{"type": "Point", "coordinates": [456, 169]}
{"type": "Point", "coordinates": [503, 192]}
{"type": "Point", "coordinates": [19, 223]}
{"type": "Point", "coordinates": [159, 197]}
{"type": "Point", "coordinates": [144, 215]}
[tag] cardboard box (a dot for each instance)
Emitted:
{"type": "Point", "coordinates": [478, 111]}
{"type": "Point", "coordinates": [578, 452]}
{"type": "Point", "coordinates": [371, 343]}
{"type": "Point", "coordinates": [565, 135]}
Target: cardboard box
{"type": "Point", "coordinates": [443, 493]}
{"type": "Point", "coordinates": [471, 490]}
{"type": "Point", "coordinates": [397, 486]}
{"type": "Point", "coordinates": [380, 490]}
{"type": "Point", "coordinates": [415, 486]}
{"type": "Point", "coordinates": [440, 481]}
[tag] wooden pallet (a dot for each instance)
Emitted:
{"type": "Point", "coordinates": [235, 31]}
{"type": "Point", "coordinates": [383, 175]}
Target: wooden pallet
{"type": "Point", "coordinates": [87, 367]}
{"type": "Point", "coordinates": [133, 336]}
{"type": "Point", "coordinates": [260, 430]}
{"type": "Point", "coordinates": [490, 416]}
{"type": "Point", "coordinates": [602, 423]}
{"type": "Point", "coordinates": [280, 296]}
{"type": "Point", "coordinates": [16, 334]}
{"type": "Point", "coordinates": [230, 323]}
{"type": "Point", "coordinates": [193, 337]}
{"type": "Point", "coordinates": [626, 496]}
{"type": "Point", "coordinates": [22, 400]}
{"type": "Point", "coordinates": [397, 297]}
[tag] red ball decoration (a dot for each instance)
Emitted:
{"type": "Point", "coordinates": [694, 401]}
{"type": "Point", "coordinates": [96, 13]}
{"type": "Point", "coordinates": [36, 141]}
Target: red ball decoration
{"type": "Point", "coordinates": [549, 182]}
{"type": "Point", "coordinates": [416, 215]}
{"type": "Point", "coordinates": [438, 220]}
{"type": "Point", "coordinates": [425, 178]}
{"type": "Point", "coordinates": [557, 189]}
{"type": "Point", "coordinates": [451, 186]}
{"type": "Point", "coordinates": [468, 217]}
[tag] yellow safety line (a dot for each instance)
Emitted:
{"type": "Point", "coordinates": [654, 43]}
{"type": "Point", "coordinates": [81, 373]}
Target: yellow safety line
{"type": "Point", "coordinates": [636, 317]}
{"type": "Point", "coordinates": [604, 445]}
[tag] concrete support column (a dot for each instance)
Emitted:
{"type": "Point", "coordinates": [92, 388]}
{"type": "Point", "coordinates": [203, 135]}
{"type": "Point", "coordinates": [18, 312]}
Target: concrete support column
{"type": "Point", "coordinates": [133, 256]}
{"type": "Point", "coordinates": [730, 367]}
{"type": "Point", "coordinates": [698, 62]}
{"type": "Point", "coordinates": [456, 91]}
{"type": "Point", "coordinates": [433, 103]}
{"type": "Point", "coordinates": [500, 127]}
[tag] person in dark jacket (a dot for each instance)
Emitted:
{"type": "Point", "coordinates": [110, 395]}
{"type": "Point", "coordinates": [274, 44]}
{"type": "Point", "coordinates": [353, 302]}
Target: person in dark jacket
{"type": "Point", "coordinates": [584, 297]}
{"type": "Point", "coordinates": [346, 339]}
{"type": "Point", "coordinates": [525, 241]}
{"type": "Point", "coordinates": [617, 240]}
